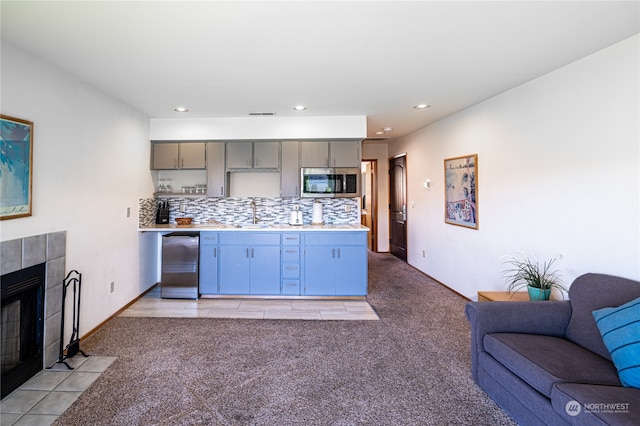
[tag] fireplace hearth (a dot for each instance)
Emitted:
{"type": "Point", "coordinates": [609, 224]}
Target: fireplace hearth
{"type": "Point", "coordinates": [22, 294]}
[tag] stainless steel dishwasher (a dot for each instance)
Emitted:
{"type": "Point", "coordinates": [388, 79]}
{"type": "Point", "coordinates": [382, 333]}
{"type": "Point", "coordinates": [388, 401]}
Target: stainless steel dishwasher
{"type": "Point", "coordinates": [180, 265]}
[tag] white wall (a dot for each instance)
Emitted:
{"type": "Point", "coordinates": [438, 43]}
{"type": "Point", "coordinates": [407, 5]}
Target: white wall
{"type": "Point", "coordinates": [379, 152]}
{"type": "Point", "coordinates": [558, 174]}
{"type": "Point", "coordinates": [91, 162]}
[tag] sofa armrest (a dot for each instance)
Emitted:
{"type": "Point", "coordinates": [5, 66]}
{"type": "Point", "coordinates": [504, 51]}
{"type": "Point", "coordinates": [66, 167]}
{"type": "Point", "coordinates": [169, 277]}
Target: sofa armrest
{"type": "Point", "coordinates": [546, 318]}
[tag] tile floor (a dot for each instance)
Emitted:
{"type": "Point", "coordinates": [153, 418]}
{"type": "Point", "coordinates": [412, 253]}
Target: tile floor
{"type": "Point", "coordinates": [151, 305]}
{"type": "Point", "coordinates": [47, 394]}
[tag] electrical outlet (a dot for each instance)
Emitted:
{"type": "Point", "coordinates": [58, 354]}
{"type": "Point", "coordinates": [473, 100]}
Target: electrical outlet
{"type": "Point", "coordinates": [111, 287]}
{"type": "Point", "coordinates": [347, 208]}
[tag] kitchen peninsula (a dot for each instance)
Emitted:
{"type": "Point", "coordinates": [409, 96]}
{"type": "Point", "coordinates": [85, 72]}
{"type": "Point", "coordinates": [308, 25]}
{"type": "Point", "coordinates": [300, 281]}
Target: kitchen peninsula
{"type": "Point", "coordinates": [276, 260]}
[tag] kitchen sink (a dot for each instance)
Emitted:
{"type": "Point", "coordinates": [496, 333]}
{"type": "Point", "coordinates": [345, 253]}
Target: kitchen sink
{"type": "Point", "coordinates": [252, 225]}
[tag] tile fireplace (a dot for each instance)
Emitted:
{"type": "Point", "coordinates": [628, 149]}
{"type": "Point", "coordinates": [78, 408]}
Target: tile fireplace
{"type": "Point", "coordinates": [34, 266]}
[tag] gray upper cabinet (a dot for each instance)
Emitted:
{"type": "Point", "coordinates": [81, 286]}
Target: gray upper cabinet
{"type": "Point", "coordinates": [266, 155]}
{"type": "Point", "coordinates": [174, 155]}
{"type": "Point", "coordinates": [345, 154]}
{"type": "Point", "coordinates": [314, 154]}
{"type": "Point", "coordinates": [330, 154]}
{"type": "Point", "coordinates": [290, 170]}
{"type": "Point", "coordinates": [192, 155]}
{"type": "Point", "coordinates": [215, 169]}
{"type": "Point", "coordinates": [165, 156]}
{"type": "Point", "coordinates": [253, 155]}
{"type": "Point", "coordinates": [239, 155]}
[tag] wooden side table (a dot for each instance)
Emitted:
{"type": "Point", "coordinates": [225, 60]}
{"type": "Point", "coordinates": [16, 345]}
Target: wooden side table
{"type": "Point", "coordinates": [503, 296]}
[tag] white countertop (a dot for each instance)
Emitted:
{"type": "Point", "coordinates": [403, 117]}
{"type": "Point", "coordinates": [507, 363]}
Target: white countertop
{"type": "Point", "coordinates": [274, 227]}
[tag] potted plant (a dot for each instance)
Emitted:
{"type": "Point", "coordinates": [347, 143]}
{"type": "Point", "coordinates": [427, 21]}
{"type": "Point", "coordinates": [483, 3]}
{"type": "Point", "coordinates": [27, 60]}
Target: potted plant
{"type": "Point", "coordinates": [527, 272]}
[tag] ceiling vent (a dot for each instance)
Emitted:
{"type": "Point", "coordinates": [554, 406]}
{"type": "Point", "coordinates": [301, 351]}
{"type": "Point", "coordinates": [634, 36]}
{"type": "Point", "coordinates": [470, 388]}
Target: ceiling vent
{"type": "Point", "coordinates": [257, 114]}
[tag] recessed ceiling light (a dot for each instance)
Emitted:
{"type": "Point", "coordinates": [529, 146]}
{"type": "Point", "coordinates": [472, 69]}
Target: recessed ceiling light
{"type": "Point", "coordinates": [421, 106]}
{"type": "Point", "coordinates": [387, 129]}
{"type": "Point", "coordinates": [299, 108]}
{"type": "Point", "coordinates": [181, 109]}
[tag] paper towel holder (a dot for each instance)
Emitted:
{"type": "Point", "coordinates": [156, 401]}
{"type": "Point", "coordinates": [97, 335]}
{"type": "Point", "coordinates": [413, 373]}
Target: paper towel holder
{"type": "Point", "coordinates": [316, 218]}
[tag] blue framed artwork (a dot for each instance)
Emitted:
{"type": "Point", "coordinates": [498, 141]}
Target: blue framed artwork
{"type": "Point", "coordinates": [461, 191]}
{"type": "Point", "coordinates": [16, 168]}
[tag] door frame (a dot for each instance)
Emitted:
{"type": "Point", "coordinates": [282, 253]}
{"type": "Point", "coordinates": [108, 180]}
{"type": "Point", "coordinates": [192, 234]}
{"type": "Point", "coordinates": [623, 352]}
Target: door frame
{"type": "Point", "coordinates": [374, 203]}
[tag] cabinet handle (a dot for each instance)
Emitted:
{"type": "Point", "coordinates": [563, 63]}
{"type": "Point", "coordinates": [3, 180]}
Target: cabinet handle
{"type": "Point", "coordinates": [222, 190]}
{"type": "Point", "coordinates": [175, 163]}
{"type": "Point", "coordinates": [182, 165]}
{"type": "Point", "coordinates": [251, 252]}
{"type": "Point", "coordinates": [247, 252]}
{"type": "Point", "coordinates": [338, 253]}
{"type": "Point", "coordinates": [215, 252]}
{"type": "Point", "coordinates": [333, 253]}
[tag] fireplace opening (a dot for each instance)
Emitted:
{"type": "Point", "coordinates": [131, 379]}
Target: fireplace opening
{"type": "Point", "coordinates": [21, 340]}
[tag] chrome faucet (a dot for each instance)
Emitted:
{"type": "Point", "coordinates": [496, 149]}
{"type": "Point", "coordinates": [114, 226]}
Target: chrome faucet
{"type": "Point", "coordinates": [253, 206]}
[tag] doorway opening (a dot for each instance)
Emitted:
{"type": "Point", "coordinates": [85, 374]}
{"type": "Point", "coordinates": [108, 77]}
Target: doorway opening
{"type": "Point", "coordinates": [369, 217]}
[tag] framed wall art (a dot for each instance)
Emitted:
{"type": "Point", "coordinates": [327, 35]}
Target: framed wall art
{"type": "Point", "coordinates": [461, 191]}
{"type": "Point", "coordinates": [16, 168]}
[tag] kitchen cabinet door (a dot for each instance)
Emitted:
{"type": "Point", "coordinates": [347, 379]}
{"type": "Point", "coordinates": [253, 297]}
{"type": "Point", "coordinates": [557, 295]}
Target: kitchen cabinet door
{"type": "Point", "coordinates": [265, 270]}
{"type": "Point", "coordinates": [249, 263]}
{"type": "Point", "coordinates": [208, 267]}
{"type": "Point", "coordinates": [235, 265]}
{"type": "Point", "coordinates": [345, 154]}
{"type": "Point", "coordinates": [335, 264]}
{"type": "Point", "coordinates": [239, 155]}
{"type": "Point", "coordinates": [320, 273]}
{"type": "Point", "coordinates": [266, 155]}
{"type": "Point", "coordinates": [215, 169]}
{"type": "Point", "coordinates": [351, 271]}
{"type": "Point", "coordinates": [192, 155]}
{"type": "Point", "coordinates": [290, 170]}
{"type": "Point", "coordinates": [314, 154]}
{"type": "Point", "coordinates": [165, 156]}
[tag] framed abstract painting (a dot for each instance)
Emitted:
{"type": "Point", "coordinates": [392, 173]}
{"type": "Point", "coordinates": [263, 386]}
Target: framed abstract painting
{"type": "Point", "coordinates": [16, 168]}
{"type": "Point", "coordinates": [461, 191]}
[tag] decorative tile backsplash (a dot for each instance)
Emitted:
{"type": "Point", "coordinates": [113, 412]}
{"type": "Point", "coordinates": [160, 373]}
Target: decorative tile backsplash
{"type": "Point", "coordinates": [238, 210]}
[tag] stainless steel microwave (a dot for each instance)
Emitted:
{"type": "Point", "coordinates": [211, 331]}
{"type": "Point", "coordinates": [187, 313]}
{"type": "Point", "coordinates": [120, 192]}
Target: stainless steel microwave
{"type": "Point", "coordinates": [330, 182]}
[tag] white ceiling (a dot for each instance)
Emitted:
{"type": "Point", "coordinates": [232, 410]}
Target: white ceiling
{"type": "Point", "coordinates": [379, 58]}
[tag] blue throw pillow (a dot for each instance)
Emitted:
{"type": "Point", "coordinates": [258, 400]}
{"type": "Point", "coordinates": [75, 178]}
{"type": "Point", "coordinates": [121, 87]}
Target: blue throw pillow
{"type": "Point", "coordinates": [620, 330]}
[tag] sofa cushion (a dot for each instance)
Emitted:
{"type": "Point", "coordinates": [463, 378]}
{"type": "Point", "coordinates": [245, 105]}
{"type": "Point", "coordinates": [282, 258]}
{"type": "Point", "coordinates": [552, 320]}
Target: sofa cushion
{"type": "Point", "coordinates": [542, 361]}
{"type": "Point", "coordinates": [586, 405]}
{"type": "Point", "coordinates": [620, 329]}
{"type": "Point", "coordinates": [588, 293]}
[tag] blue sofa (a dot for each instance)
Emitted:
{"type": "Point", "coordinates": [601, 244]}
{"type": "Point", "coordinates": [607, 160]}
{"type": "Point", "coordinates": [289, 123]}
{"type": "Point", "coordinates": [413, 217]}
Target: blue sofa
{"type": "Point", "coordinates": [545, 363]}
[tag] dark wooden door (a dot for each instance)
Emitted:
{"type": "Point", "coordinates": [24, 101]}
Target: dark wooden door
{"type": "Point", "coordinates": [398, 206]}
